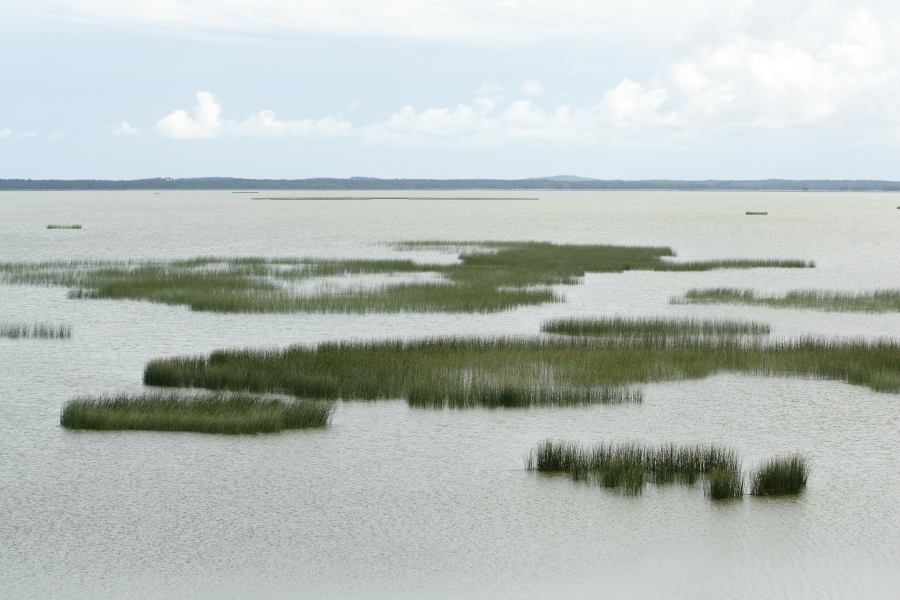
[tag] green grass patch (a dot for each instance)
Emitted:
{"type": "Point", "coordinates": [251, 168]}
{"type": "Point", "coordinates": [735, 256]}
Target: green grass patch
{"type": "Point", "coordinates": [626, 467]}
{"type": "Point", "coordinates": [877, 301]}
{"type": "Point", "coordinates": [491, 276]}
{"type": "Point", "coordinates": [466, 371]}
{"type": "Point", "coordinates": [780, 476]}
{"type": "Point", "coordinates": [63, 226]}
{"type": "Point", "coordinates": [210, 413]}
{"type": "Point", "coordinates": [35, 330]}
{"type": "Point", "coordinates": [652, 327]}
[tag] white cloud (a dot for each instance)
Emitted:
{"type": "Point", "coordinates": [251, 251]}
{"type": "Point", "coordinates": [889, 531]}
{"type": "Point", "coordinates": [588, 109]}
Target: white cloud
{"type": "Point", "coordinates": [124, 128]}
{"type": "Point", "coordinates": [207, 123]}
{"type": "Point", "coordinates": [531, 88]}
{"type": "Point", "coordinates": [5, 132]}
{"type": "Point", "coordinates": [56, 135]}
{"type": "Point", "coordinates": [27, 134]}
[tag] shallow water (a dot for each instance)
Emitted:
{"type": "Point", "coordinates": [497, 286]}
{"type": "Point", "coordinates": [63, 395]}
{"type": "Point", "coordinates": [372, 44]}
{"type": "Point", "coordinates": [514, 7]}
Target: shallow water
{"type": "Point", "coordinates": [391, 502]}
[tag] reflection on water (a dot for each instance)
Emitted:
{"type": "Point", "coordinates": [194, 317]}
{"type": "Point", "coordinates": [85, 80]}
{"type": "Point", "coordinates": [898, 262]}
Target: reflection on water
{"type": "Point", "coordinates": [392, 502]}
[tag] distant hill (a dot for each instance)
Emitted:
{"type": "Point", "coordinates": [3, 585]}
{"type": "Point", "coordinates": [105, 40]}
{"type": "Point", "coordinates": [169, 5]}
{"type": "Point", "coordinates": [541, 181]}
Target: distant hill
{"type": "Point", "coordinates": [558, 182]}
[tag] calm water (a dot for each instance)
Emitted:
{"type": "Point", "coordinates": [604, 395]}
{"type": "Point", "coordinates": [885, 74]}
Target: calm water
{"type": "Point", "coordinates": [391, 502]}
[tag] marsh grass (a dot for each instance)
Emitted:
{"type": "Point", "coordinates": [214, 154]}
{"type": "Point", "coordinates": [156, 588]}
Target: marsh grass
{"type": "Point", "coordinates": [724, 484]}
{"type": "Point", "coordinates": [876, 301]}
{"type": "Point", "coordinates": [752, 212]}
{"type": "Point", "coordinates": [470, 371]}
{"type": "Point", "coordinates": [35, 330]}
{"type": "Point", "coordinates": [626, 467]}
{"type": "Point", "coordinates": [438, 395]}
{"type": "Point", "coordinates": [491, 276]}
{"type": "Point", "coordinates": [63, 226]}
{"type": "Point", "coordinates": [653, 327]}
{"type": "Point", "coordinates": [780, 476]}
{"type": "Point", "coordinates": [211, 413]}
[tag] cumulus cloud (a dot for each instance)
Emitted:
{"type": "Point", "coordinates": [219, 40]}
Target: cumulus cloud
{"type": "Point", "coordinates": [5, 132]}
{"type": "Point", "coordinates": [123, 128]}
{"type": "Point", "coordinates": [531, 88]}
{"type": "Point", "coordinates": [208, 123]}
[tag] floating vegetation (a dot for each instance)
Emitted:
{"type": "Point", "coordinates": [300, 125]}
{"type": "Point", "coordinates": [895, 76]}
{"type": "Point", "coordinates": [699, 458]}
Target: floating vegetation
{"type": "Point", "coordinates": [470, 371]}
{"type": "Point", "coordinates": [877, 301]}
{"type": "Point", "coordinates": [491, 276]}
{"type": "Point", "coordinates": [210, 413]}
{"type": "Point", "coordinates": [751, 212]}
{"type": "Point", "coordinates": [780, 476]}
{"type": "Point", "coordinates": [653, 327]}
{"type": "Point", "coordinates": [35, 330]}
{"type": "Point", "coordinates": [63, 226]}
{"type": "Point", "coordinates": [626, 467]}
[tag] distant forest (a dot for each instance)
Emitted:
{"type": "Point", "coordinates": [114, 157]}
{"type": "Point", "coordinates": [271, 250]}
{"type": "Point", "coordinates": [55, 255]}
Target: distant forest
{"type": "Point", "coordinates": [370, 183]}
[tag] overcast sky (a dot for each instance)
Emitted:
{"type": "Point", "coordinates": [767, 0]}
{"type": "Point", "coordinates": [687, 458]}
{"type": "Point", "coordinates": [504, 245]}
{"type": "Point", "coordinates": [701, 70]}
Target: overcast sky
{"type": "Point", "coordinates": [612, 89]}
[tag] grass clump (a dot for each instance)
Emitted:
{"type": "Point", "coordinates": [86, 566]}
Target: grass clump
{"type": "Point", "coordinates": [490, 276]}
{"type": "Point", "coordinates": [35, 330]}
{"type": "Point", "coordinates": [63, 226]}
{"type": "Point", "coordinates": [212, 413]}
{"type": "Point", "coordinates": [518, 371]}
{"type": "Point", "coordinates": [637, 328]}
{"type": "Point", "coordinates": [724, 484]}
{"type": "Point", "coordinates": [626, 467]}
{"type": "Point", "coordinates": [780, 476]}
{"type": "Point", "coordinates": [876, 301]}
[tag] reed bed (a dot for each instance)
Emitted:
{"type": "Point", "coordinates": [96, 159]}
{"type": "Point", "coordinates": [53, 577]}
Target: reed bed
{"type": "Point", "coordinates": [876, 301]}
{"type": "Point", "coordinates": [785, 475]}
{"type": "Point", "coordinates": [626, 467]}
{"type": "Point", "coordinates": [516, 396]}
{"type": "Point", "coordinates": [491, 276]}
{"type": "Point", "coordinates": [431, 371]}
{"type": "Point", "coordinates": [35, 330]}
{"type": "Point", "coordinates": [63, 226]}
{"type": "Point", "coordinates": [653, 327]}
{"type": "Point", "coordinates": [211, 413]}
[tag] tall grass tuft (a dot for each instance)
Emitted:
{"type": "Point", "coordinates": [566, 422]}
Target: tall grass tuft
{"type": "Point", "coordinates": [653, 327]}
{"type": "Point", "coordinates": [35, 330]}
{"type": "Point", "coordinates": [780, 476]}
{"type": "Point", "coordinates": [724, 484]}
{"type": "Point", "coordinates": [628, 466]}
{"type": "Point", "coordinates": [876, 301]}
{"type": "Point", "coordinates": [211, 413]}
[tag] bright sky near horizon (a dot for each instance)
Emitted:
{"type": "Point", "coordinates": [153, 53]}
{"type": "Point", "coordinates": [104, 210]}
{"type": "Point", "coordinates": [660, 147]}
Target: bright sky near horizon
{"type": "Point", "coordinates": [676, 89]}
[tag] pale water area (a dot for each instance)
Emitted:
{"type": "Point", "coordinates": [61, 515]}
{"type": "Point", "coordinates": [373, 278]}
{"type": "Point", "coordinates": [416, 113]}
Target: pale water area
{"type": "Point", "coordinates": [394, 502]}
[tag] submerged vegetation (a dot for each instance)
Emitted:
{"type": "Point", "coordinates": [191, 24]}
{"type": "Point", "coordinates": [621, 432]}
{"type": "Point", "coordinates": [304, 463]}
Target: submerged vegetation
{"type": "Point", "coordinates": [35, 330]}
{"type": "Point", "coordinates": [653, 327]}
{"type": "Point", "coordinates": [877, 301]}
{"type": "Point", "coordinates": [457, 371]}
{"type": "Point", "coordinates": [628, 466]}
{"type": "Point", "coordinates": [211, 413]}
{"type": "Point", "coordinates": [780, 476]}
{"type": "Point", "coordinates": [490, 276]}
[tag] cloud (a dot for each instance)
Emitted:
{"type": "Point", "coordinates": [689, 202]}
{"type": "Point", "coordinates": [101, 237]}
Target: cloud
{"type": "Point", "coordinates": [5, 132]}
{"type": "Point", "coordinates": [56, 135]}
{"type": "Point", "coordinates": [124, 128]}
{"type": "Point", "coordinates": [531, 88]}
{"type": "Point", "coordinates": [27, 134]}
{"type": "Point", "coordinates": [208, 123]}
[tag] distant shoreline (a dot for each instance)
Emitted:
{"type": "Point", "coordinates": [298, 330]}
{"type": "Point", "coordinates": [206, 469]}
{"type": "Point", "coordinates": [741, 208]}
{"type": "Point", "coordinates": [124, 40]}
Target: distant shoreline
{"type": "Point", "coordinates": [369, 184]}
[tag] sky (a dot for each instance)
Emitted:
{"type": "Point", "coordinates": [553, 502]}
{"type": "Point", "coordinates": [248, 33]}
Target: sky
{"type": "Point", "coordinates": [612, 89]}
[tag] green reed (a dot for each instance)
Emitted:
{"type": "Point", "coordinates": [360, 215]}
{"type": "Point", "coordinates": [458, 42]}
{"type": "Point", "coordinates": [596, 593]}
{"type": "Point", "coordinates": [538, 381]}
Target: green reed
{"type": "Point", "coordinates": [456, 371]}
{"type": "Point", "coordinates": [624, 327]}
{"type": "Point", "coordinates": [876, 301]}
{"type": "Point", "coordinates": [780, 476]}
{"type": "Point", "coordinates": [35, 330]}
{"type": "Point", "coordinates": [628, 466]}
{"type": "Point", "coordinates": [491, 276]}
{"type": "Point", "coordinates": [210, 413]}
